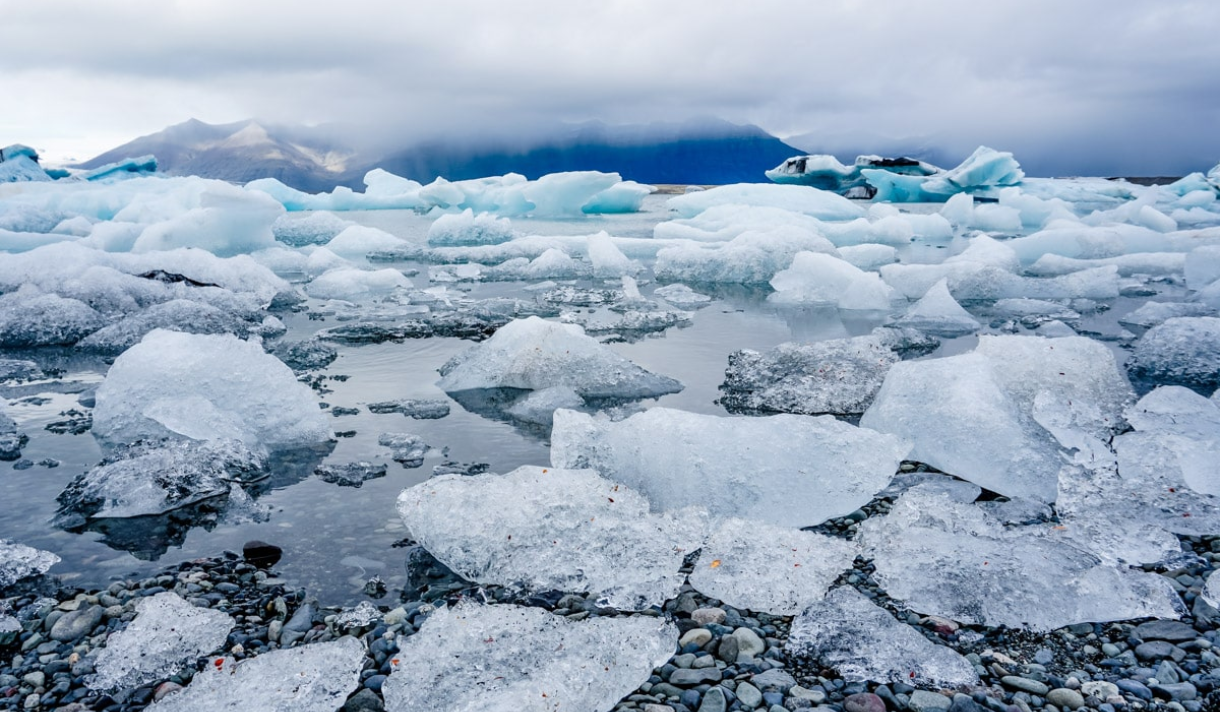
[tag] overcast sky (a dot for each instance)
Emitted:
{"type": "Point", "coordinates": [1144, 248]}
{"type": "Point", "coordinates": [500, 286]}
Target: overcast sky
{"type": "Point", "coordinates": [1071, 86]}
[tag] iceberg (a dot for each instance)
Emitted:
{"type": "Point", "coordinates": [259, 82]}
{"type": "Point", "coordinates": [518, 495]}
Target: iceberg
{"type": "Point", "coordinates": [205, 387]}
{"type": "Point", "coordinates": [819, 204]}
{"type": "Point", "coordinates": [484, 658]}
{"type": "Point", "coordinates": [760, 567]}
{"type": "Point", "coordinates": [1183, 351]}
{"type": "Point", "coordinates": [682, 296]}
{"type": "Point", "coordinates": [787, 470]}
{"type": "Point", "coordinates": [309, 678]}
{"type": "Point", "coordinates": [838, 376]}
{"type": "Point", "coordinates": [939, 314]}
{"type": "Point", "coordinates": [862, 641]}
{"type": "Point", "coordinates": [316, 228]}
{"type": "Point", "coordinates": [535, 354]}
{"type": "Point", "coordinates": [465, 228]}
{"type": "Point", "coordinates": [18, 561]}
{"type": "Point", "coordinates": [228, 221]}
{"type": "Point", "coordinates": [608, 260]}
{"type": "Point", "coordinates": [547, 529]}
{"type": "Point", "coordinates": [166, 636]}
{"type": "Point", "coordinates": [625, 197]}
{"type": "Point", "coordinates": [357, 241]}
{"type": "Point", "coordinates": [816, 277]}
{"type": "Point", "coordinates": [827, 173]}
{"type": "Point", "coordinates": [982, 173]}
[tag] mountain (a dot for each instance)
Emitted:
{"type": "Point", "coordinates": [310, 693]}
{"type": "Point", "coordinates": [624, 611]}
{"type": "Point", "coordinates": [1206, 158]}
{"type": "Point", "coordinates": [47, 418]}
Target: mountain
{"type": "Point", "coordinates": [706, 151]}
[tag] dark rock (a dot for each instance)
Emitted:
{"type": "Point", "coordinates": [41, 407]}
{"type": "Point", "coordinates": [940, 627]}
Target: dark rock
{"type": "Point", "coordinates": [364, 701]}
{"type": "Point", "coordinates": [76, 624]}
{"type": "Point", "coordinates": [863, 702]}
{"type": "Point", "coordinates": [689, 678]}
{"type": "Point", "coordinates": [261, 554]}
{"type": "Point", "coordinates": [1173, 631]}
{"type": "Point", "coordinates": [1154, 650]}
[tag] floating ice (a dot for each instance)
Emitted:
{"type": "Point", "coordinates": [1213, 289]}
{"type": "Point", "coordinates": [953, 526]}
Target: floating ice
{"type": "Point", "coordinates": [868, 257]}
{"type": "Point", "coordinates": [29, 319]}
{"type": "Point", "coordinates": [939, 314]}
{"type": "Point", "coordinates": [982, 172]}
{"type": "Point", "coordinates": [18, 561]}
{"type": "Point", "coordinates": [406, 449]}
{"type": "Point", "coordinates": [862, 641]}
{"type": "Point", "coordinates": [608, 260]}
{"type": "Point", "coordinates": [355, 284]}
{"type": "Point", "coordinates": [176, 315]}
{"type": "Point", "coordinates": [759, 567]}
{"type": "Point", "coordinates": [317, 228]}
{"type": "Point", "coordinates": [228, 221]}
{"type": "Point", "coordinates": [817, 277]}
{"type": "Point", "coordinates": [309, 678]}
{"type": "Point", "coordinates": [955, 560]}
{"type": "Point", "coordinates": [750, 258]}
{"type": "Point", "coordinates": [535, 354]}
{"type": "Point", "coordinates": [625, 197]}
{"type": "Point", "coordinates": [351, 474]}
{"type": "Point", "coordinates": [539, 407]}
{"type": "Point", "coordinates": [682, 296]}
{"type": "Point", "coordinates": [166, 635]}
{"type": "Point", "coordinates": [477, 658]}
{"type": "Point", "coordinates": [970, 280]}
{"type": "Point", "coordinates": [796, 198]}
{"type": "Point", "coordinates": [417, 408]}
{"type": "Point", "coordinates": [1202, 266]}
{"type": "Point", "coordinates": [838, 376]}
{"type": "Point", "coordinates": [205, 388]}
{"type": "Point", "coordinates": [1176, 438]}
{"type": "Point", "coordinates": [465, 228]}
{"type": "Point", "coordinates": [357, 241]}
{"type": "Point", "coordinates": [825, 172]}
{"type": "Point", "coordinates": [1183, 351]}
{"type": "Point", "coordinates": [553, 529]}
{"type": "Point", "coordinates": [788, 470]}
{"type": "Point", "coordinates": [1152, 313]}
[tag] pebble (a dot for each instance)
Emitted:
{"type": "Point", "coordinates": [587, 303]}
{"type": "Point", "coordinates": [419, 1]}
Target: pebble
{"type": "Point", "coordinates": [76, 624]}
{"type": "Point", "coordinates": [1025, 684]}
{"type": "Point", "coordinates": [1100, 689]}
{"type": "Point", "coordinates": [1064, 698]}
{"type": "Point", "coordinates": [749, 695]}
{"type": "Point", "coordinates": [690, 677]}
{"type": "Point", "coordinates": [1173, 631]}
{"type": "Point", "coordinates": [749, 645]}
{"type": "Point", "coordinates": [924, 701]}
{"type": "Point", "coordinates": [696, 636]}
{"type": "Point", "coordinates": [714, 701]}
{"type": "Point", "coordinates": [859, 702]}
{"type": "Point", "coordinates": [704, 616]}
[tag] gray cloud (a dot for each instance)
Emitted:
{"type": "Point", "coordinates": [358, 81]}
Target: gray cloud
{"type": "Point", "coordinates": [1085, 86]}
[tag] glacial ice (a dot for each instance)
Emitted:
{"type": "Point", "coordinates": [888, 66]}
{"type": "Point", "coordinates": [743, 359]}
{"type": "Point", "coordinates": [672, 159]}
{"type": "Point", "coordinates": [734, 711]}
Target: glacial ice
{"type": "Point", "coordinates": [29, 318]}
{"type": "Point", "coordinates": [538, 407]}
{"type": "Point", "coordinates": [863, 641]}
{"type": "Point", "coordinates": [788, 470]}
{"type": "Point", "coordinates": [814, 277]}
{"type": "Point", "coordinates": [356, 284]}
{"type": "Point", "coordinates": [753, 257]}
{"type": "Point", "coordinates": [952, 559]}
{"type": "Point", "coordinates": [625, 197]}
{"type": "Point", "coordinates": [837, 376]}
{"type": "Point", "coordinates": [1150, 314]}
{"type": "Point", "coordinates": [205, 387]}
{"type": "Point", "coordinates": [939, 314]}
{"type": "Point", "coordinates": [406, 449]}
{"type": "Point", "coordinates": [309, 678]}
{"type": "Point", "coordinates": [535, 354]}
{"type": "Point", "coordinates": [316, 228]}
{"type": "Point", "coordinates": [18, 561]}
{"type": "Point", "coordinates": [826, 173]}
{"type": "Point", "coordinates": [1211, 590]}
{"type": "Point", "coordinates": [547, 529]}
{"type": "Point", "coordinates": [228, 221]}
{"type": "Point", "coordinates": [608, 260]}
{"type": "Point", "coordinates": [466, 228]}
{"type": "Point", "coordinates": [500, 658]}
{"type": "Point", "coordinates": [166, 635]}
{"type": "Point", "coordinates": [682, 296]}
{"type": "Point", "coordinates": [176, 315]}
{"type": "Point", "coordinates": [760, 567]}
{"type": "Point", "coordinates": [868, 257]}
{"type": "Point", "coordinates": [357, 241]}
{"type": "Point", "coordinates": [795, 198]}
{"type": "Point", "coordinates": [1176, 438]}
{"type": "Point", "coordinates": [1183, 351]}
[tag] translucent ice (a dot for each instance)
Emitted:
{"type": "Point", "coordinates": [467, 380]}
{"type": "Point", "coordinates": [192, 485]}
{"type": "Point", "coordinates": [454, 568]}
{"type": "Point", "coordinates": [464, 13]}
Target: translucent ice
{"type": "Point", "coordinates": [939, 314]}
{"type": "Point", "coordinates": [550, 529]}
{"type": "Point", "coordinates": [176, 315]}
{"type": "Point", "coordinates": [317, 228]}
{"type": "Point", "coordinates": [1182, 351]}
{"type": "Point", "coordinates": [539, 407]}
{"type": "Point", "coordinates": [625, 197]}
{"type": "Point", "coordinates": [466, 228]}
{"type": "Point", "coordinates": [753, 257]}
{"type": "Point", "coordinates": [1152, 313]}
{"type": "Point", "coordinates": [682, 296]}
{"type": "Point", "coordinates": [817, 277]}
{"type": "Point", "coordinates": [29, 319]}
{"type": "Point", "coordinates": [18, 561]}
{"type": "Point", "coordinates": [308, 678]}
{"type": "Point", "coordinates": [357, 241]}
{"type": "Point", "coordinates": [166, 635]}
{"type": "Point", "coordinates": [862, 641]}
{"type": "Point", "coordinates": [204, 388]}
{"type": "Point", "coordinates": [838, 376]}
{"type": "Point", "coordinates": [356, 284]}
{"type": "Point", "coordinates": [796, 198]}
{"type": "Point", "coordinates": [982, 172]}
{"type": "Point", "coordinates": [406, 449]}
{"type": "Point", "coordinates": [788, 470]}
{"type": "Point", "coordinates": [608, 260]}
{"type": "Point", "coordinates": [477, 658]}
{"type": "Point", "coordinates": [760, 567]}
{"type": "Point", "coordinates": [1177, 436]}
{"type": "Point", "coordinates": [952, 559]}
{"type": "Point", "coordinates": [535, 354]}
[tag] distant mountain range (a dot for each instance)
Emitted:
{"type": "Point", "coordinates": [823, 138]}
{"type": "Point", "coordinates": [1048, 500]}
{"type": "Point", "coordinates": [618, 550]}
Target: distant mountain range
{"type": "Point", "coordinates": [318, 159]}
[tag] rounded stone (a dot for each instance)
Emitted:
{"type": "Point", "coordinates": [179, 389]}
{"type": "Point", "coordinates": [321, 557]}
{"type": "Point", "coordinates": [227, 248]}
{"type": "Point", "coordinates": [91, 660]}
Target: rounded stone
{"type": "Point", "coordinates": [698, 636]}
{"type": "Point", "coordinates": [1064, 698]}
{"type": "Point", "coordinates": [749, 695]}
{"type": "Point", "coordinates": [749, 645]}
{"type": "Point", "coordinates": [704, 616]}
{"type": "Point", "coordinates": [76, 624]}
{"type": "Point", "coordinates": [863, 702]}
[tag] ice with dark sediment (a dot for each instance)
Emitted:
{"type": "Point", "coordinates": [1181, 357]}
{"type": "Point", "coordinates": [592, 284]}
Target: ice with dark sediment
{"type": "Point", "coordinates": [177, 315]}
{"type": "Point", "coordinates": [406, 449]}
{"type": "Point", "coordinates": [862, 641]}
{"type": "Point", "coordinates": [166, 635]}
{"type": "Point", "coordinates": [316, 677]}
{"type": "Point", "coordinates": [939, 314]}
{"type": "Point", "coordinates": [787, 470]}
{"type": "Point", "coordinates": [417, 408]}
{"type": "Point", "coordinates": [535, 354]}
{"type": "Point", "coordinates": [953, 559]}
{"type": "Point", "coordinates": [1181, 351]}
{"type": "Point", "coordinates": [839, 376]}
{"type": "Point", "coordinates": [982, 173]}
{"type": "Point", "coordinates": [503, 658]}
{"type": "Point", "coordinates": [18, 561]}
{"type": "Point", "coordinates": [351, 474]}
{"type": "Point", "coordinates": [548, 529]}
{"type": "Point", "coordinates": [760, 567]}
{"type": "Point", "coordinates": [206, 387]}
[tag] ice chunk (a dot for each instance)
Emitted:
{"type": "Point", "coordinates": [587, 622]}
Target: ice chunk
{"type": "Point", "coordinates": [1211, 590]}
{"type": "Point", "coordinates": [29, 319]}
{"type": "Point", "coordinates": [982, 172]}
{"type": "Point", "coordinates": [152, 479]}
{"type": "Point", "coordinates": [682, 296]}
{"type": "Point", "coordinates": [625, 197]}
{"type": "Point", "coordinates": [962, 422]}
{"type": "Point", "coordinates": [417, 408]}
{"type": "Point", "coordinates": [478, 658]}
{"type": "Point", "coordinates": [166, 635]}
{"type": "Point", "coordinates": [796, 198]}
{"type": "Point", "coordinates": [839, 376]}
{"type": "Point", "coordinates": [357, 241]}
{"type": "Point", "coordinates": [22, 169]}
{"type": "Point", "coordinates": [862, 641]}
{"type": "Point", "coordinates": [309, 678]}
{"type": "Point", "coordinates": [788, 470]}
{"type": "Point", "coordinates": [817, 277]}
{"type": "Point", "coordinates": [1183, 351]}
{"type": "Point", "coordinates": [1177, 437]}
{"type": "Point", "coordinates": [228, 221]}
{"type": "Point", "coordinates": [355, 284]}
{"type": "Point", "coordinates": [539, 407]}
{"type": "Point", "coordinates": [406, 449]}
{"type": "Point", "coordinates": [1152, 313]}
{"type": "Point", "coordinates": [868, 257]}
{"type": "Point", "coordinates": [535, 354]}
{"type": "Point", "coordinates": [939, 314]}
{"type": "Point", "coordinates": [176, 315]}
{"type": "Point", "coordinates": [1202, 266]}
{"type": "Point", "coordinates": [608, 260]}
{"type": "Point", "coordinates": [1035, 311]}
{"type": "Point", "coordinates": [955, 560]}
{"type": "Point", "coordinates": [18, 561]}
{"type": "Point", "coordinates": [825, 172]}
{"type": "Point", "coordinates": [760, 567]}
{"type": "Point", "coordinates": [548, 529]}
{"type": "Point", "coordinates": [465, 228]}
{"type": "Point", "coordinates": [205, 387]}
{"type": "Point", "coordinates": [317, 228]}
{"type": "Point", "coordinates": [753, 257]}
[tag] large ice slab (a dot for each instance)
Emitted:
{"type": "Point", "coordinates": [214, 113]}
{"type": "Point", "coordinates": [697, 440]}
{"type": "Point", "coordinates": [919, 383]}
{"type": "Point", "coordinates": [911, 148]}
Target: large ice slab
{"type": "Point", "coordinates": [983, 172]}
{"type": "Point", "coordinates": [18, 561]}
{"type": "Point", "coordinates": [176, 315]}
{"type": "Point", "coordinates": [815, 277]}
{"type": "Point", "coordinates": [477, 658]}
{"type": "Point", "coordinates": [166, 635]}
{"type": "Point", "coordinates": [309, 678]}
{"type": "Point", "coordinates": [953, 559]}
{"type": "Point", "coordinates": [205, 387]}
{"type": "Point", "coordinates": [838, 376]}
{"type": "Point", "coordinates": [535, 354]}
{"type": "Point", "coordinates": [788, 470]}
{"type": "Point", "coordinates": [1182, 351]}
{"type": "Point", "coordinates": [820, 204]}
{"type": "Point", "coordinates": [862, 641]}
{"type": "Point", "coordinates": [1176, 438]}
{"type": "Point", "coordinates": [760, 567]}
{"type": "Point", "coordinates": [548, 529]}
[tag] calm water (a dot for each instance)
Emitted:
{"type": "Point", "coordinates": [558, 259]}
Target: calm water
{"type": "Point", "coordinates": [335, 538]}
